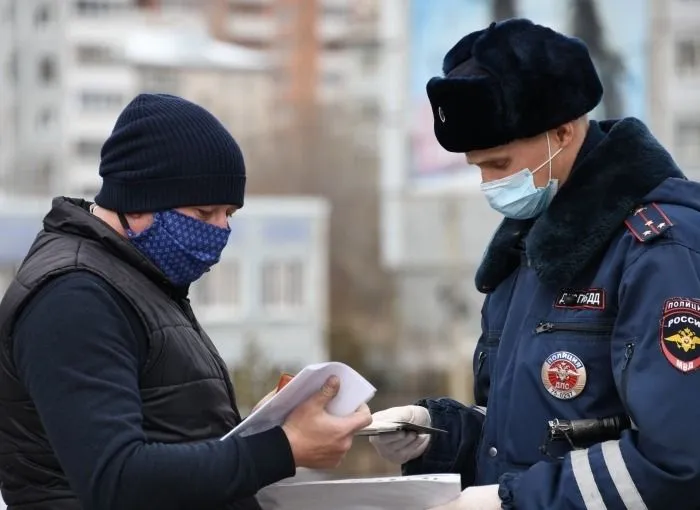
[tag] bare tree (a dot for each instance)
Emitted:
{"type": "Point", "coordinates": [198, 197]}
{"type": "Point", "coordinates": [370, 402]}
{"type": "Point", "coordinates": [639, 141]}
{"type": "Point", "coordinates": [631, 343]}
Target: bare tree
{"type": "Point", "coordinates": [587, 26]}
{"type": "Point", "coordinates": [503, 9]}
{"type": "Point", "coordinates": [326, 153]}
{"type": "Point", "coordinates": [254, 376]}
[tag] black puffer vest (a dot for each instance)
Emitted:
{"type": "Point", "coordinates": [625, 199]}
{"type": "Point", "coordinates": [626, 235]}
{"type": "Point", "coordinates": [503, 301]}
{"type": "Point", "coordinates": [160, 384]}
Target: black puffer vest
{"type": "Point", "coordinates": [185, 388]}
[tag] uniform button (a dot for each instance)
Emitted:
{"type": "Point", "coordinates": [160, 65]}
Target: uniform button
{"type": "Point", "coordinates": [493, 451]}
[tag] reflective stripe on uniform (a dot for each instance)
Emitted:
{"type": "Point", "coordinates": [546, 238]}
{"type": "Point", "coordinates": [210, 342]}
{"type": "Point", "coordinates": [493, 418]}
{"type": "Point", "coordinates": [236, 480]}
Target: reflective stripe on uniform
{"type": "Point", "coordinates": [621, 476]}
{"type": "Point", "coordinates": [583, 474]}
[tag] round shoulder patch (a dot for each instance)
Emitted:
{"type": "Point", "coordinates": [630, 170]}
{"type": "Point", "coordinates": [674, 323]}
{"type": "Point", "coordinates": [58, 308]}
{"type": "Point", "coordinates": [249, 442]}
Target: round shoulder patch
{"type": "Point", "coordinates": [563, 375]}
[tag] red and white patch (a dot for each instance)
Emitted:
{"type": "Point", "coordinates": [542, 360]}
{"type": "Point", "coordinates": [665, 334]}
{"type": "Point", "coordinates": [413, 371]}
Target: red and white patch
{"type": "Point", "coordinates": [679, 333]}
{"type": "Point", "coordinates": [564, 375]}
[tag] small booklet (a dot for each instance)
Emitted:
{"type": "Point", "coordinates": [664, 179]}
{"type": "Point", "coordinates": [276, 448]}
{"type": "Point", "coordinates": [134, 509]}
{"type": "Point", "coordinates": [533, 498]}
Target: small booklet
{"type": "Point", "coordinates": [377, 428]}
{"type": "Point", "coordinates": [354, 391]}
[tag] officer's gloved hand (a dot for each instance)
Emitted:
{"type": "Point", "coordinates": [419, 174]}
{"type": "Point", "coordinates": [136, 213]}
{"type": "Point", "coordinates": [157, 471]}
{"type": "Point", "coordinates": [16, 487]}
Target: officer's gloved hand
{"type": "Point", "coordinates": [400, 447]}
{"type": "Point", "coordinates": [484, 497]}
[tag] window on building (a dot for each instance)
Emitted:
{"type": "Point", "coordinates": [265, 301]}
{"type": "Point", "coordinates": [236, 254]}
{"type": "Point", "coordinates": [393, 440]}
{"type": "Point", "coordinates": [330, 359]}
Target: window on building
{"type": "Point", "coordinates": [12, 69]}
{"type": "Point", "coordinates": [42, 15]}
{"type": "Point", "coordinates": [95, 7]}
{"type": "Point", "coordinates": [45, 118]}
{"type": "Point", "coordinates": [9, 14]}
{"type": "Point", "coordinates": [88, 149]}
{"type": "Point", "coordinates": [687, 142]}
{"type": "Point", "coordinates": [286, 12]}
{"type": "Point", "coordinates": [160, 80]}
{"type": "Point", "coordinates": [93, 54]}
{"type": "Point", "coordinates": [332, 78]}
{"type": "Point", "coordinates": [283, 285]}
{"type": "Point", "coordinates": [43, 176]}
{"type": "Point", "coordinates": [221, 287]}
{"type": "Point", "coordinates": [688, 56]}
{"type": "Point", "coordinates": [334, 9]}
{"type": "Point", "coordinates": [91, 100]}
{"type": "Point", "coordinates": [370, 58]}
{"type": "Point", "coordinates": [48, 70]}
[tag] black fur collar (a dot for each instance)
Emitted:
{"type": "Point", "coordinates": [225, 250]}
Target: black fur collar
{"type": "Point", "coordinates": [577, 227]}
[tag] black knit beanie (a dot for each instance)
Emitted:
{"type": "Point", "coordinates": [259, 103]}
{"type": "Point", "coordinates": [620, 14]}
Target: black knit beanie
{"type": "Point", "coordinates": [166, 152]}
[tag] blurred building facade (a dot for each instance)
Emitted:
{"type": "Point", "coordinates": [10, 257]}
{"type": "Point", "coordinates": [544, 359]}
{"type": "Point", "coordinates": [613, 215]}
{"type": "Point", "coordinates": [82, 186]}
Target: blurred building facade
{"type": "Point", "coordinates": [70, 67]}
{"type": "Point", "coordinates": [67, 68]}
{"type": "Point", "coordinates": [313, 41]}
{"type": "Point", "coordinates": [31, 60]}
{"type": "Point", "coordinates": [97, 83]}
{"type": "Point", "coordinates": [674, 76]}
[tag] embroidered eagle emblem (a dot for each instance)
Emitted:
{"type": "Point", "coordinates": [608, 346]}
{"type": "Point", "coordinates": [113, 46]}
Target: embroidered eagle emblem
{"type": "Point", "coordinates": [685, 339]}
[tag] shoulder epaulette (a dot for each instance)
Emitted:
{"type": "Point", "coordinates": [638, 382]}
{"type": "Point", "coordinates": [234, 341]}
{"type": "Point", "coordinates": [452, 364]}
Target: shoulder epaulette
{"type": "Point", "coordinates": [648, 222]}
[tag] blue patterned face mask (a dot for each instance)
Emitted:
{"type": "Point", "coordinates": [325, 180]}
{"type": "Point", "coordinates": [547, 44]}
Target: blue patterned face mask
{"type": "Point", "coordinates": [182, 247]}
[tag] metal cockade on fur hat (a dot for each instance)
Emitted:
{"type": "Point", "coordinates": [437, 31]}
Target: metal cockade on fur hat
{"type": "Point", "coordinates": [512, 80]}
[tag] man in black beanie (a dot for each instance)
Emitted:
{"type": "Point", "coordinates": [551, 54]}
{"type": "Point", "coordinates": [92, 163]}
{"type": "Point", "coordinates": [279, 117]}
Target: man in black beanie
{"type": "Point", "coordinates": [586, 371]}
{"type": "Point", "coordinates": [111, 395]}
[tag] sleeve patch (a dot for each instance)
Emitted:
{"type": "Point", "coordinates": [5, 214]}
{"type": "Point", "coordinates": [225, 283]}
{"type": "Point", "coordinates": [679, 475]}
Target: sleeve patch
{"type": "Point", "coordinates": [679, 333]}
{"type": "Point", "coordinates": [648, 222]}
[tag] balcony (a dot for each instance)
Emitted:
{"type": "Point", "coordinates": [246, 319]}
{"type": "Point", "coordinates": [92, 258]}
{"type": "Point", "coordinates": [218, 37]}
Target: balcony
{"type": "Point", "coordinates": [257, 27]}
{"type": "Point", "coordinates": [251, 5]}
{"type": "Point", "coordinates": [91, 9]}
{"type": "Point", "coordinates": [333, 29]}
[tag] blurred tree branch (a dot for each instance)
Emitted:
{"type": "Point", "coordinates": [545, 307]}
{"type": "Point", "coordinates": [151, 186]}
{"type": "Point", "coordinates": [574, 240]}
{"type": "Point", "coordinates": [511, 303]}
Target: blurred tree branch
{"type": "Point", "coordinates": [588, 26]}
{"type": "Point", "coordinates": [330, 151]}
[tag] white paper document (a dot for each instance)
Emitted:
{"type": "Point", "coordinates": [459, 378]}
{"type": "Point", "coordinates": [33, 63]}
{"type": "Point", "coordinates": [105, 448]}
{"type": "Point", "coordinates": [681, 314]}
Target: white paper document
{"type": "Point", "coordinates": [354, 391]}
{"type": "Point", "coordinates": [397, 493]}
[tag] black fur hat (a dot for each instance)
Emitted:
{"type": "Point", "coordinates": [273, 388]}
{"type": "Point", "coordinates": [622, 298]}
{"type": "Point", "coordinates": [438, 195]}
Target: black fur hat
{"type": "Point", "coordinates": [511, 80]}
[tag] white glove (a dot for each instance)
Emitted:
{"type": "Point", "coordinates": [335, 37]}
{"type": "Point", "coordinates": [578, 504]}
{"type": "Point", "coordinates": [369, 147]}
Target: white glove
{"type": "Point", "coordinates": [483, 497]}
{"type": "Point", "coordinates": [400, 447]}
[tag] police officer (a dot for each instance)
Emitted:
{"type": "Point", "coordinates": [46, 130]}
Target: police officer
{"type": "Point", "coordinates": [592, 283]}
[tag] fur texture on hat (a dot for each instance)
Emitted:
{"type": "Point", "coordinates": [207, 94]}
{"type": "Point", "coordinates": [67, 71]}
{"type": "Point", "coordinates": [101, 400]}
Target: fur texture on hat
{"type": "Point", "coordinates": [512, 80]}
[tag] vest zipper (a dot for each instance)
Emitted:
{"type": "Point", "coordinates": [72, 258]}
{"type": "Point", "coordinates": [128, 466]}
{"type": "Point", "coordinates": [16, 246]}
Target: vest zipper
{"type": "Point", "coordinates": [189, 313]}
{"type": "Point", "coordinates": [576, 327]}
{"type": "Point", "coordinates": [480, 362]}
{"type": "Point", "coordinates": [222, 369]}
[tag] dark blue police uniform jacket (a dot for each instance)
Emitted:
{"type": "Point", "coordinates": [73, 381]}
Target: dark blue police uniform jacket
{"type": "Point", "coordinates": [592, 311]}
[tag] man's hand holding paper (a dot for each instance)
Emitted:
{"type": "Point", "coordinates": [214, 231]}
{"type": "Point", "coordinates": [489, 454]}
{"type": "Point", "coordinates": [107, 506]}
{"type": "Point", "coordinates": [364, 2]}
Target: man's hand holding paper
{"type": "Point", "coordinates": [318, 439]}
{"type": "Point", "coordinates": [320, 428]}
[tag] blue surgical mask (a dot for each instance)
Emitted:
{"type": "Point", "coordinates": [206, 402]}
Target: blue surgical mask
{"type": "Point", "coordinates": [182, 247]}
{"type": "Point", "coordinates": [517, 197]}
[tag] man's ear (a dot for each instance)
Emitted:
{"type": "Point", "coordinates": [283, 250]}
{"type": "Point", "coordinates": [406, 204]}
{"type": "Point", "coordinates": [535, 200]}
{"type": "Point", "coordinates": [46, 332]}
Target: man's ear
{"type": "Point", "coordinates": [564, 134]}
{"type": "Point", "coordinates": [138, 222]}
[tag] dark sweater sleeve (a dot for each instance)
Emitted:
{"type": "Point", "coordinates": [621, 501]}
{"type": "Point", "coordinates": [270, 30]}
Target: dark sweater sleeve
{"type": "Point", "coordinates": [78, 356]}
